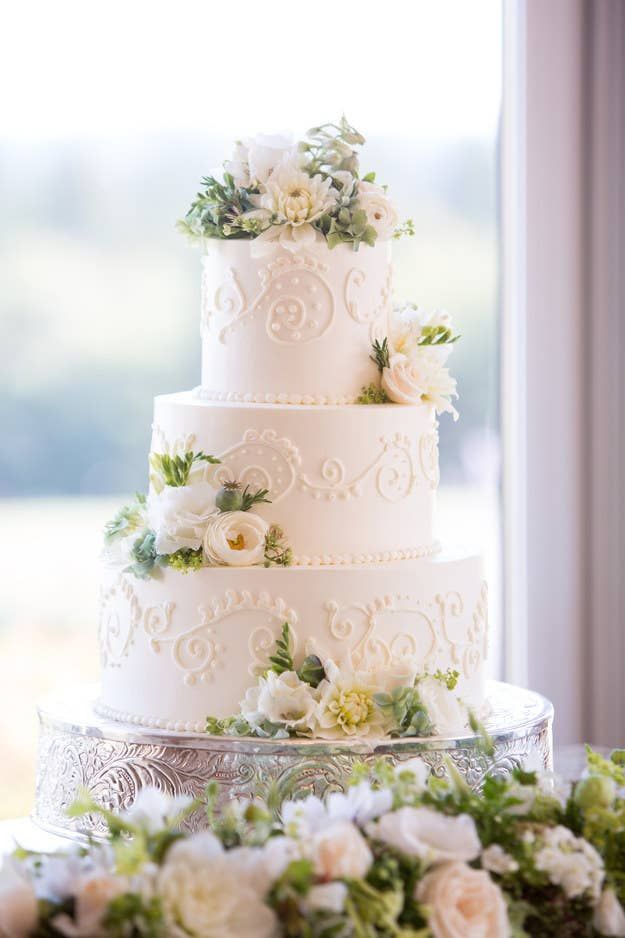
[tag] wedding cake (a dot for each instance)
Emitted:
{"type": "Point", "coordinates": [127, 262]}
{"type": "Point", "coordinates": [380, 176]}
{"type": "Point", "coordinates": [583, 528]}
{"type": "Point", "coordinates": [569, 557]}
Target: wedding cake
{"type": "Point", "coordinates": [282, 576]}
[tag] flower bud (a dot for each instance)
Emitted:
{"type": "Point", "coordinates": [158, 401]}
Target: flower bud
{"type": "Point", "coordinates": [595, 791]}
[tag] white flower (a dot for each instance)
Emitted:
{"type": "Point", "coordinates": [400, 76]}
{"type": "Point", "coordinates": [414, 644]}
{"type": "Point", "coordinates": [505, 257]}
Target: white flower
{"type": "Point", "coordinates": [235, 538]}
{"type": "Point", "coordinates": [295, 197]}
{"type": "Point", "coordinates": [339, 852]}
{"type": "Point", "coordinates": [303, 237]}
{"type": "Point", "coordinates": [609, 915]}
{"type": "Point", "coordinates": [255, 158]}
{"type": "Point", "coordinates": [153, 809]}
{"type": "Point", "coordinates": [210, 896]}
{"type": "Point", "coordinates": [496, 860]}
{"type": "Point", "coordinates": [238, 165]}
{"type": "Point", "coordinates": [570, 862]}
{"type": "Point", "coordinates": [262, 866]}
{"type": "Point", "coordinates": [445, 710]}
{"type": "Point", "coordinates": [420, 378]}
{"type": "Point", "coordinates": [304, 816]}
{"type": "Point", "coordinates": [427, 834]}
{"type": "Point", "coordinates": [179, 514]}
{"type": "Point", "coordinates": [360, 803]}
{"type": "Point", "coordinates": [92, 895]}
{"type": "Point", "coordinates": [18, 902]}
{"type": "Point", "coordinates": [380, 211]}
{"type": "Point", "coordinates": [346, 705]}
{"type": "Point", "coordinates": [407, 327]}
{"type": "Point", "coordinates": [419, 769]}
{"type": "Point", "coordinates": [463, 903]}
{"type": "Point", "coordinates": [327, 897]}
{"type": "Point", "coordinates": [280, 698]}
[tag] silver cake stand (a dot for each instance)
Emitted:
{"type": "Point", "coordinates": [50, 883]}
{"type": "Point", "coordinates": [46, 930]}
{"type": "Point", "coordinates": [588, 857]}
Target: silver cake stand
{"type": "Point", "coordinates": [79, 749]}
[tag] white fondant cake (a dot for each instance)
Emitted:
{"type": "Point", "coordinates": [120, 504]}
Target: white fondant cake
{"type": "Point", "coordinates": [284, 566]}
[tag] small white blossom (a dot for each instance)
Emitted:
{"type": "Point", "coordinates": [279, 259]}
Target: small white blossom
{"type": "Point", "coordinates": [496, 860]}
{"type": "Point", "coordinates": [570, 862]}
{"type": "Point", "coordinates": [153, 809]}
{"type": "Point", "coordinates": [428, 834]}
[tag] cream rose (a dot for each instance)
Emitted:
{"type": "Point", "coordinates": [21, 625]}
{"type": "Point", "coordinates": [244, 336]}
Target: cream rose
{"type": "Point", "coordinates": [445, 710]}
{"type": "Point", "coordinates": [280, 698]}
{"type": "Point", "coordinates": [609, 915]}
{"type": "Point", "coordinates": [211, 896]}
{"type": "Point", "coordinates": [463, 903]}
{"type": "Point", "coordinates": [18, 903]}
{"type": "Point", "coordinates": [339, 852]}
{"type": "Point", "coordinates": [419, 378]}
{"type": "Point", "coordinates": [179, 515]}
{"type": "Point", "coordinates": [428, 834]}
{"type": "Point", "coordinates": [235, 538]}
{"type": "Point", "coordinates": [380, 211]}
{"type": "Point", "coordinates": [92, 895]}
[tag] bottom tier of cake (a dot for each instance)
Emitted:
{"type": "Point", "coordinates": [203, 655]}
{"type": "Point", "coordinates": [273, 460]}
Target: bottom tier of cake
{"type": "Point", "coordinates": [113, 761]}
{"type": "Point", "coordinates": [180, 647]}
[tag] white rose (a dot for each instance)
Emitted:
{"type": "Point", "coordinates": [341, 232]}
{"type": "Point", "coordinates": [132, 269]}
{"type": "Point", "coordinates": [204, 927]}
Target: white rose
{"type": "Point", "coordinates": [18, 902]}
{"type": "Point", "coordinates": [327, 897]}
{"type": "Point", "coordinates": [339, 852]}
{"type": "Point", "coordinates": [153, 809]}
{"type": "Point", "coordinates": [179, 515]}
{"type": "Point", "coordinates": [420, 378]}
{"type": "Point", "coordinates": [265, 152]}
{"type": "Point", "coordinates": [609, 915]}
{"type": "Point", "coordinates": [496, 860]}
{"type": "Point", "coordinates": [280, 698]}
{"type": "Point", "coordinates": [210, 896]}
{"type": "Point", "coordinates": [294, 196]}
{"type": "Point", "coordinates": [447, 713]}
{"type": "Point", "coordinates": [380, 211]}
{"type": "Point", "coordinates": [235, 538]}
{"type": "Point", "coordinates": [463, 903]}
{"type": "Point", "coordinates": [92, 895]}
{"type": "Point", "coordinates": [428, 834]}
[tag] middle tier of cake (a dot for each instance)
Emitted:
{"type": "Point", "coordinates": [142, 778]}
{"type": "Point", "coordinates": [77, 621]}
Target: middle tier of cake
{"type": "Point", "coordinates": [348, 484]}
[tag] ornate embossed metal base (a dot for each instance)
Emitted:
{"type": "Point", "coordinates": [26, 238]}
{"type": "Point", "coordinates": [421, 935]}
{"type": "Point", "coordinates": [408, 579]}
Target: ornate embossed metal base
{"type": "Point", "coordinates": [114, 760]}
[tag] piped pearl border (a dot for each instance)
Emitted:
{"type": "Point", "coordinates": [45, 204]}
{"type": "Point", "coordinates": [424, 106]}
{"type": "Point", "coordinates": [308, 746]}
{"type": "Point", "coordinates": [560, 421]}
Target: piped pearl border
{"type": "Point", "coordinates": [238, 397]}
{"type": "Point", "coordinates": [152, 723]}
{"type": "Point", "coordinates": [384, 556]}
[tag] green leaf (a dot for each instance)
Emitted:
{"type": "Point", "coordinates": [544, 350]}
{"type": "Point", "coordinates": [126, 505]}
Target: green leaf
{"type": "Point", "coordinates": [312, 671]}
{"type": "Point", "coordinates": [380, 354]}
{"type": "Point", "coordinates": [282, 659]}
{"type": "Point", "coordinates": [174, 471]}
{"type": "Point", "coordinates": [129, 518]}
{"type": "Point", "coordinates": [249, 499]}
{"type": "Point", "coordinates": [369, 177]}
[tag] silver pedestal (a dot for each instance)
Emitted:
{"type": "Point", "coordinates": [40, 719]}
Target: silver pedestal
{"type": "Point", "coordinates": [114, 760]}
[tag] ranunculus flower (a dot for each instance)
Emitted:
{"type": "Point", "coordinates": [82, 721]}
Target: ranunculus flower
{"type": "Point", "coordinates": [18, 903]}
{"type": "Point", "coordinates": [428, 834]}
{"type": "Point", "coordinates": [445, 710]}
{"type": "Point", "coordinates": [281, 698]}
{"type": "Point", "coordinates": [179, 514]}
{"type": "Point", "coordinates": [235, 538]}
{"type": "Point", "coordinates": [380, 211]}
{"type": "Point", "coordinates": [211, 896]}
{"type": "Point", "coordinates": [92, 895]}
{"type": "Point", "coordinates": [339, 852]}
{"type": "Point", "coordinates": [609, 915]}
{"type": "Point", "coordinates": [463, 903]}
{"type": "Point", "coordinates": [419, 378]}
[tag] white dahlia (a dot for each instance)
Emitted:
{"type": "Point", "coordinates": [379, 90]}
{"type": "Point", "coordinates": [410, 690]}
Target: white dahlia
{"type": "Point", "coordinates": [295, 197]}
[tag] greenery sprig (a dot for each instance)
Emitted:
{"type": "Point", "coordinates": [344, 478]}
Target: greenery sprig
{"type": "Point", "coordinates": [277, 552]}
{"type": "Point", "coordinates": [311, 671]}
{"type": "Point", "coordinates": [217, 210]}
{"type": "Point", "coordinates": [175, 470]}
{"type": "Point", "coordinates": [437, 335]}
{"type": "Point", "coordinates": [372, 394]}
{"type": "Point", "coordinates": [129, 518]}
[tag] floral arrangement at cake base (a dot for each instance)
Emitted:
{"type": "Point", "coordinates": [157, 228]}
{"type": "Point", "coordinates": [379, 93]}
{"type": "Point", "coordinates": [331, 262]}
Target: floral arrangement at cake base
{"type": "Point", "coordinates": [398, 855]}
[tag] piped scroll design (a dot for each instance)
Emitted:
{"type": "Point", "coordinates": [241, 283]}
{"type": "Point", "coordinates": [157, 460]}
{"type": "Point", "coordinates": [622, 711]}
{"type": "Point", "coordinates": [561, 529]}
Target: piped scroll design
{"type": "Point", "coordinates": [119, 617]}
{"type": "Point", "coordinates": [228, 299]}
{"type": "Point", "coordinates": [422, 643]}
{"type": "Point", "coordinates": [428, 458]}
{"type": "Point", "coordinates": [295, 300]}
{"type": "Point", "coordinates": [394, 470]}
{"type": "Point", "coordinates": [200, 649]}
{"type": "Point", "coordinates": [261, 460]}
{"type": "Point", "coordinates": [467, 652]}
{"type": "Point", "coordinates": [376, 315]}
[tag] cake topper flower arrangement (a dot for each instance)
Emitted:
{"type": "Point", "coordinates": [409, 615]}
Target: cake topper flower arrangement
{"type": "Point", "coordinates": [411, 361]}
{"type": "Point", "coordinates": [275, 189]}
{"type": "Point", "coordinates": [186, 523]}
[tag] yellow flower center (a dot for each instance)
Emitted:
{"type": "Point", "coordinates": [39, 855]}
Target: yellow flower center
{"type": "Point", "coordinates": [352, 708]}
{"type": "Point", "coordinates": [238, 543]}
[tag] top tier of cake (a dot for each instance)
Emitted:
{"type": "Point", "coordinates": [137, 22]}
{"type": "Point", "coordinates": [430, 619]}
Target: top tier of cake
{"type": "Point", "coordinates": [292, 327]}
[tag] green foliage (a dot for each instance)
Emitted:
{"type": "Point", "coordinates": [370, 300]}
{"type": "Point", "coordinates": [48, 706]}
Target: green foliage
{"type": "Point", "coordinates": [408, 714]}
{"type": "Point", "coordinates": [131, 915]}
{"type": "Point", "coordinates": [175, 470]}
{"type": "Point", "coordinates": [282, 658]}
{"type": "Point", "coordinates": [347, 226]}
{"type": "Point", "coordinates": [312, 671]}
{"type": "Point", "coordinates": [380, 354]}
{"type": "Point", "coordinates": [449, 677]}
{"type": "Point", "coordinates": [486, 742]}
{"type": "Point", "coordinates": [406, 229]}
{"type": "Point", "coordinates": [372, 394]}
{"type": "Point", "coordinates": [437, 335]}
{"type": "Point", "coordinates": [249, 499]}
{"type": "Point", "coordinates": [186, 559]}
{"type": "Point", "coordinates": [217, 209]}
{"type": "Point", "coordinates": [128, 519]}
{"type": "Point", "coordinates": [329, 148]}
{"type": "Point", "coordinates": [231, 498]}
{"type": "Point", "coordinates": [277, 553]}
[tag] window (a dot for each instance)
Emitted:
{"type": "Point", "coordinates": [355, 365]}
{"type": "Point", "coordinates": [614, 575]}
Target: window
{"type": "Point", "coordinates": [108, 130]}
